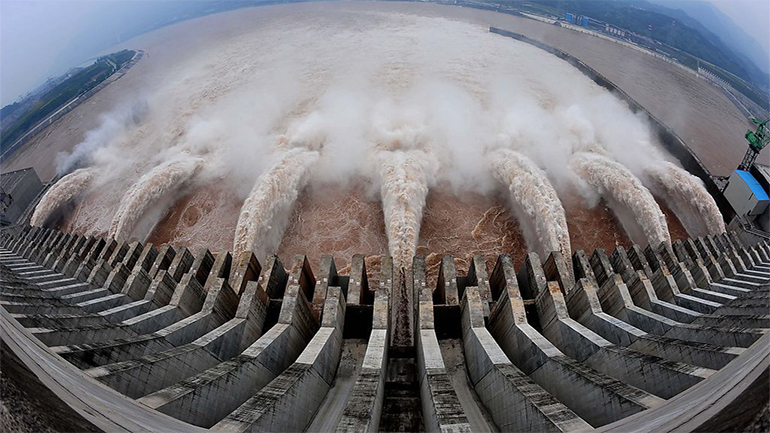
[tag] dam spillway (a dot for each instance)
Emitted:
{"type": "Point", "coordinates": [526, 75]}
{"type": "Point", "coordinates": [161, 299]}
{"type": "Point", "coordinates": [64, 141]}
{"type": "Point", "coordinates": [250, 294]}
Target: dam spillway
{"type": "Point", "coordinates": [610, 340]}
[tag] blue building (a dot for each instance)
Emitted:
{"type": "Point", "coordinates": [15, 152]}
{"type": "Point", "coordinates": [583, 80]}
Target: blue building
{"type": "Point", "coordinates": [748, 196]}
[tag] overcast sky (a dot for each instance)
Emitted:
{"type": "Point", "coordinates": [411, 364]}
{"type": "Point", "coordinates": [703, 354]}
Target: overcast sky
{"type": "Point", "coordinates": [34, 39]}
{"type": "Point", "coordinates": [39, 39]}
{"type": "Point", "coordinates": [753, 16]}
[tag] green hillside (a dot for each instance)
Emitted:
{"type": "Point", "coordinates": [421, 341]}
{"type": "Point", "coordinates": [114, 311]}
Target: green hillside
{"type": "Point", "coordinates": [79, 83]}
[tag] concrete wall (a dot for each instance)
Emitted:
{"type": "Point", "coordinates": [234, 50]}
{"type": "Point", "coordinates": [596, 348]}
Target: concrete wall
{"type": "Point", "coordinates": [23, 186]}
{"type": "Point", "coordinates": [610, 341]}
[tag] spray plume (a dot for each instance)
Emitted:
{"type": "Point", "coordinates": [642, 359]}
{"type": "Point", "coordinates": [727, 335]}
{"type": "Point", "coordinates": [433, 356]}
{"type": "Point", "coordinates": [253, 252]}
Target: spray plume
{"type": "Point", "coordinates": [115, 124]}
{"type": "Point", "coordinates": [614, 181]}
{"type": "Point", "coordinates": [67, 188]}
{"type": "Point", "coordinates": [530, 189]}
{"type": "Point", "coordinates": [160, 181]}
{"type": "Point", "coordinates": [270, 202]}
{"type": "Point", "coordinates": [688, 197]}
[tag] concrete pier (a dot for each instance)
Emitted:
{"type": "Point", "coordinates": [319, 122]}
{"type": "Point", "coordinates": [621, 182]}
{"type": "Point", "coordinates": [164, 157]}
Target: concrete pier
{"type": "Point", "coordinates": [538, 358]}
{"type": "Point", "coordinates": [136, 337]}
{"type": "Point", "coordinates": [364, 407]}
{"type": "Point", "coordinates": [515, 401]}
{"type": "Point", "coordinates": [440, 406]}
{"type": "Point", "coordinates": [254, 367]}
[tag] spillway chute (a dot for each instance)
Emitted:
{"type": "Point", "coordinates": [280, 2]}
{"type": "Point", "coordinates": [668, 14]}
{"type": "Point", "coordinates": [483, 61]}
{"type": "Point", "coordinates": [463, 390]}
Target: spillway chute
{"type": "Point", "coordinates": [687, 196]}
{"type": "Point", "coordinates": [62, 192]}
{"type": "Point", "coordinates": [531, 191]}
{"type": "Point", "coordinates": [266, 210]}
{"type": "Point", "coordinates": [617, 184]}
{"type": "Point", "coordinates": [404, 180]}
{"type": "Point", "coordinates": [149, 190]}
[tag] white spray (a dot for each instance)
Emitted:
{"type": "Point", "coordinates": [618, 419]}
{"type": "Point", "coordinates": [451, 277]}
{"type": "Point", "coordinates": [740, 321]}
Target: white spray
{"type": "Point", "coordinates": [114, 126]}
{"type": "Point", "coordinates": [66, 189]}
{"type": "Point", "coordinates": [265, 212]}
{"type": "Point", "coordinates": [617, 183]}
{"type": "Point", "coordinates": [688, 198]}
{"type": "Point", "coordinates": [160, 181]}
{"type": "Point", "coordinates": [530, 189]}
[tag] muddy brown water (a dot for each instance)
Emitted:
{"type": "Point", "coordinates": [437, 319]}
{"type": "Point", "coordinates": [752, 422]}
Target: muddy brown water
{"type": "Point", "coordinates": [345, 222]}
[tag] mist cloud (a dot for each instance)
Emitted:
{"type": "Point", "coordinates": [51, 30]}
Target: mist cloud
{"type": "Point", "coordinates": [347, 97]}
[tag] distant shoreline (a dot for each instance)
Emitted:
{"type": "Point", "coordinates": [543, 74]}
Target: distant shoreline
{"type": "Point", "coordinates": [69, 106]}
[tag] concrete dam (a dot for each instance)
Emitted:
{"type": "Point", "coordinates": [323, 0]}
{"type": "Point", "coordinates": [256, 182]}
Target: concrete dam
{"type": "Point", "coordinates": [133, 337]}
{"type": "Point", "coordinates": [503, 245]}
